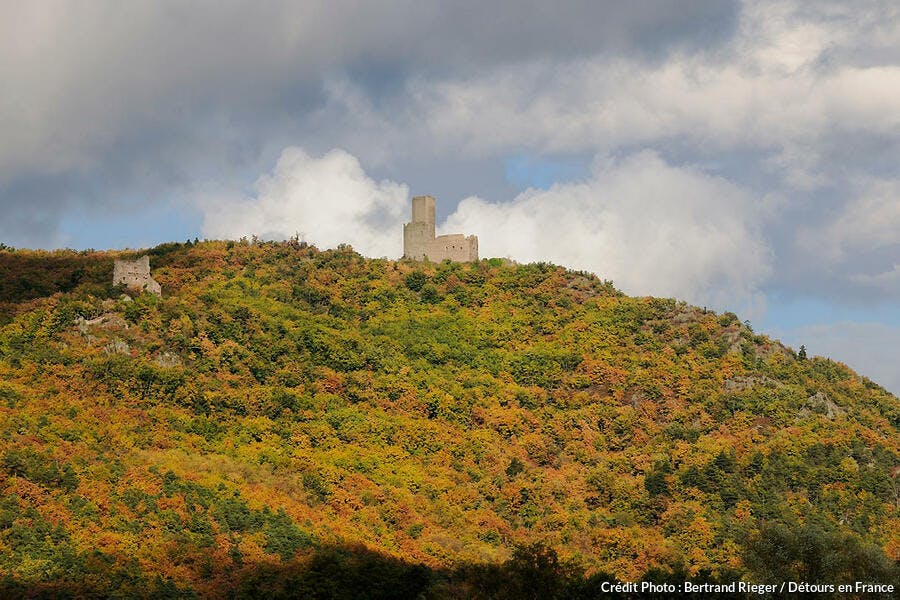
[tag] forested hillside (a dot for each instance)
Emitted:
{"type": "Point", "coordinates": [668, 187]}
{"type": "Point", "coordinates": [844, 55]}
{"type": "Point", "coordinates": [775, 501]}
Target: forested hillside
{"type": "Point", "coordinates": [289, 421]}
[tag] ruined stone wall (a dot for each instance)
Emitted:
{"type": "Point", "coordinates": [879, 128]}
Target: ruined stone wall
{"type": "Point", "coordinates": [455, 246]}
{"type": "Point", "coordinates": [135, 274]}
{"type": "Point", "coordinates": [419, 241]}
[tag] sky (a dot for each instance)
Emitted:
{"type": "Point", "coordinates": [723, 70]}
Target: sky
{"type": "Point", "coordinates": [741, 156]}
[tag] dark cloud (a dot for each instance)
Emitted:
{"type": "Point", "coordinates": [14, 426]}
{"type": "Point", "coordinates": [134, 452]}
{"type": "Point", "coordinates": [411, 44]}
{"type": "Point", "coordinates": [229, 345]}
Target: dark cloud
{"type": "Point", "coordinates": [145, 96]}
{"type": "Point", "coordinates": [32, 210]}
{"type": "Point", "coordinates": [477, 33]}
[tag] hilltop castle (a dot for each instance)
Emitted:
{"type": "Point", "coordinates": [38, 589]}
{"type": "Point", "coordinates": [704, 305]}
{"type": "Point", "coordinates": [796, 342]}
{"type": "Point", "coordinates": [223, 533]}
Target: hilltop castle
{"type": "Point", "coordinates": [420, 243]}
{"type": "Point", "coordinates": [135, 274]}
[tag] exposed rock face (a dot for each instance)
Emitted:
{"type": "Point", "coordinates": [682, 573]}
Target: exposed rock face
{"type": "Point", "coordinates": [167, 360]}
{"type": "Point", "coordinates": [636, 397]}
{"type": "Point", "coordinates": [734, 340]}
{"type": "Point", "coordinates": [104, 321]}
{"type": "Point", "coordinates": [419, 241]}
{"type": "Point", "coordinates": [740, 383]}
{"type": "Point", "coordinates": [117, 346]}
{"type": "Point", "coordinates": [135, 274]}
{"type": "Point", "coordinates": [822, 404]}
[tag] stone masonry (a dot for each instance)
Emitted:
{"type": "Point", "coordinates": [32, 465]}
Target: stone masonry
{"type": "Point", "coordinates": [135, 274]}
{"type": "Point", "coordinates": [420, 243]}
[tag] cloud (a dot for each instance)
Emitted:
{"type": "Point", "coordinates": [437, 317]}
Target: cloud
{"type": "Point", "coordinates": [888, 280]}
{"type": "Point", "coordinates": [653, 228]}
{"type": "Point", "coordinates": [869, 348]}
{"type": "Point", "coordinates": [79, 78]}
{"type": "Point", "coordinates": [146, 99]}
{"type": "Point", "coordinates": [858, 245]}
{"type": "Point", "coordinates": [870, 220]}
{"type": "Point", "coordinates": [713, 106]}
{"type": "Point", "coordinates": [327, 201]}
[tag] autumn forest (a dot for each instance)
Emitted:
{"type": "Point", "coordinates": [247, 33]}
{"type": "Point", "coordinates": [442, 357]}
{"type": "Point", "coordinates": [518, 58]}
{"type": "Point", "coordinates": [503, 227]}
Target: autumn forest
{"type": "Point", "coordinates": [289, 422]}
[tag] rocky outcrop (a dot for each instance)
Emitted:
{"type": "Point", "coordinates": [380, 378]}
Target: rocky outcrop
{"type": "Point", "coordinates": [739, 383]}
{"type": "Point", "coordinates": [167, 360]}
{"type": "Point", "coordinates": [105, 321]}
{"type": "Point", "coordinates": [820, 403]}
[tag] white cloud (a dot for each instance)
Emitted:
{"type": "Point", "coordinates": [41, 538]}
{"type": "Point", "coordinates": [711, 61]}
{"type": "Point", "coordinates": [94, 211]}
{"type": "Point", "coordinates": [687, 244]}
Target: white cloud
{"type": "Point", "coordinates": [653, 228]}
{"type": "Point", "coordinates": [328, 201]}
{"type": "Point", "coordinates": [859, 245]}
{"type": "Point", "coordinates": [869, 348]}
{"type": "Point", "coordinates": [595, 105]}
{"type": "Point", "coordinates": [869, 220]}
{"type": "Point", "coordinates": [790, 82]}
{"type": "Point", "coordinates": [78, 79]}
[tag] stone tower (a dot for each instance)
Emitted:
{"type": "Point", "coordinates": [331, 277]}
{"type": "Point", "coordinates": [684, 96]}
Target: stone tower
{"type": "Point", "coordinates": [135, 274]}
{"type": "Point", "coordinates": [420, 243]}
{"type": "Point", "coordinates": [418, 234]}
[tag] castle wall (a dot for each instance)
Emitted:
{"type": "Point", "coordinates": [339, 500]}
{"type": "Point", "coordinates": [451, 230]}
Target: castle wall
{"type": "Point", "coordinates": [456, 246]}
{"type": "Point", "coordinates": [135, 274]}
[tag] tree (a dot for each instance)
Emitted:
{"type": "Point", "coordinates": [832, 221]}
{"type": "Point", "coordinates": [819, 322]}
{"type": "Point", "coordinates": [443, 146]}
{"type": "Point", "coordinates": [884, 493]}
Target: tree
{"type": "Point", "coordinates": [802, 354]}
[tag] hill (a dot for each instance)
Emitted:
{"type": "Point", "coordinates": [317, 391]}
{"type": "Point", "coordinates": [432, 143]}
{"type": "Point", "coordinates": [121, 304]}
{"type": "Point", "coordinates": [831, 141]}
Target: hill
{"type": "Point", "coordinates": [290, 421]}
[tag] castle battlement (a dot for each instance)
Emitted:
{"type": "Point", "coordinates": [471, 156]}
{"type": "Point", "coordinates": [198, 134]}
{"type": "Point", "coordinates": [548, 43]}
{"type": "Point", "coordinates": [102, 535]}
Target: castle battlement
{"type": "Point", "coordinates": [420, 242]}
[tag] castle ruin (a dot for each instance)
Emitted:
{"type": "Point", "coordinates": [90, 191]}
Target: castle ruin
{"type": "Point", "coordinates": [420, 243]}
{"type": "Point", "coordinates": [135, 274]}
